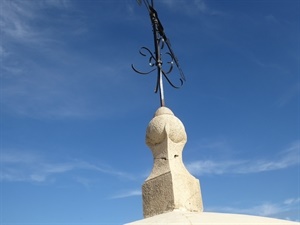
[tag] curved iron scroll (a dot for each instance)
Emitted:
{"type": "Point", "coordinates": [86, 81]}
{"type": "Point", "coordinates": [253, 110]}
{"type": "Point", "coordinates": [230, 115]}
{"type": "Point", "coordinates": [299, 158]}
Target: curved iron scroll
{"type": "Point", "coordinates": [153, 62]}
{"type": "Point", "coordinates": [155, 58]}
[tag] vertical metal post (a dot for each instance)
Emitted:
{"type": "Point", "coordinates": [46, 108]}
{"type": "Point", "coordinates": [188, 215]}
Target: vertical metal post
{"type": "Point", "coordinates": [161, 91]}
{"type": "Point", "coordinates": [158, 58]}
{"type": "Point", "coordinates": [160, 39]}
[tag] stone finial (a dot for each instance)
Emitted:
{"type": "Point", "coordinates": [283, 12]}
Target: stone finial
{"type": "Point", "coordinates": [169, 186]}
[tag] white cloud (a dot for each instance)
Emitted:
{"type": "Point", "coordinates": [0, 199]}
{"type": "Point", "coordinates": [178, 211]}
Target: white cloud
{"type": "Point", "coordinates": [279, 210]}
{"type": "Point", "coordinates": [201, 167]}
{"type": "Point", "coordinates": [86, 182]}
{"type": "Point", "coordinates": [201, 6]}
{"type": "Point", "coordinates": [127, 194]}
{"type": "Point", "coordinates": [289, 95]}
{"type": "Point", "coordinates": [287, 158]}
{"type": "Point", "coordinates": [19, 158]}
{"type": "Point", "coordinates": [270, 18]}
{"type": "Point", "coordinates": [191, 7]}
{"type": "Point", "coordinates": [26, 167]}
{"type": "Point", "coordinates": [267, 209]}
{"type": "Point", "coordinates": [292, 201]}
{"type": "Point", "coordinates": [61, 4]}
{"type": "Point", "coordinates": [11, 19]}
{"type": "Point", "coordinates": [264, 209]}
{"type": "Point", "coordinates": [43, 77]}
{"type": "Point", "coordinates": [18, 18]}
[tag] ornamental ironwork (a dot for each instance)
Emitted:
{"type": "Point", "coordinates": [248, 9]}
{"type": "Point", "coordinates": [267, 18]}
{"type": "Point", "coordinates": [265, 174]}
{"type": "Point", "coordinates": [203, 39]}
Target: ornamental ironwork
{"type": "Point", "coordinates": [162, 50]}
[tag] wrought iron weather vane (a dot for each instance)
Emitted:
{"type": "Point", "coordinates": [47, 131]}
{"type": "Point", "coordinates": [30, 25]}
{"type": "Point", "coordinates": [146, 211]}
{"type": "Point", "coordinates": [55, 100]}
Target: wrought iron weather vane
{"type": "Point", "coordinates": [155, 58]}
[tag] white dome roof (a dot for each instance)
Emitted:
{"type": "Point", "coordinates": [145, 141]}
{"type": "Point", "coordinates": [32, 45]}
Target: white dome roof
{"type": "Point", "coordinates": [208, 218]}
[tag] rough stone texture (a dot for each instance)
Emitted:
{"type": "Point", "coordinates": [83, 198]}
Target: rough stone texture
{"type": "Point", "coordinates": [179, 217]}
{"type": "Point", "coordinates": [169, 186]}
{"type": "Point", "coordinates": [171, 195]}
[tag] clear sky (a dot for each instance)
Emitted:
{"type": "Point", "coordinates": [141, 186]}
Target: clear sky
{"type": "Point", "coordinates": [74, 113]}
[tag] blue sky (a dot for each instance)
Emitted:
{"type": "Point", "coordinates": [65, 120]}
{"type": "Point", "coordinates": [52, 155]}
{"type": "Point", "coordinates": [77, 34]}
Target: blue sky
{"type": "Point", "coordinates": [74, 114]}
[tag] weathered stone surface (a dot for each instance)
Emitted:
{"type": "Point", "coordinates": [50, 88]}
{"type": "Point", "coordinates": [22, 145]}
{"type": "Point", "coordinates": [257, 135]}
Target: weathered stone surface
{"type": "Point", "coordinates": [171, 195]}
{"type": "Point", "coordinates": [180, 217]}
{"type": "Point", "coordinates": [169, 186]}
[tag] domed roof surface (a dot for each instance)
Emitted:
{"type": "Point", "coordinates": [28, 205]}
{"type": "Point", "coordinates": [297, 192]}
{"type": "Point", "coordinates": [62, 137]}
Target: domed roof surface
{"type": "Point", "coordinates": [209, 218]}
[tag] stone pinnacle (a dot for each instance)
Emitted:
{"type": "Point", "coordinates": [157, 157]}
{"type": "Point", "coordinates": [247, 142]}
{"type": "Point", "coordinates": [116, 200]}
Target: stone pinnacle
{"type": "Point", "coordinates": [169, 186]}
